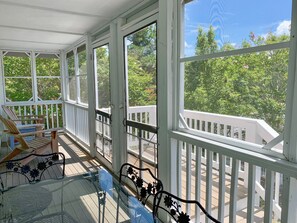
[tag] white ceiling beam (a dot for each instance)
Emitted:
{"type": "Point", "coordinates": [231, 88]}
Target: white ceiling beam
{"type": "Point", "coordinates": [42, 30]}
{"type": "Point", "coordinates": [27, 41]}
{"type": "Point", "coordinates": [51, 9]}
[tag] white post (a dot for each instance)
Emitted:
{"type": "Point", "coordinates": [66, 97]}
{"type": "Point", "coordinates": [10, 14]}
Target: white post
{"type": "Point", "coordinates": [64, 81]}
{"type": "Point", "coordinates": [165, 92]}
{"type": "Point", "coordinates": [289, 209]}
{"type": "Point", "coordinates": [2, 91]}
{"type": "Point", "coordinates": [33, 75]}
{"type": "Point", "coordinates": [117, 85]}
{"type": "Point", "coordinates": [91, 95]}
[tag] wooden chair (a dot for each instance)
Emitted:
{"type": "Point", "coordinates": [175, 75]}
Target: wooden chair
{"type": "Point", "coordinates": [38, 145]}
{"type": "Point", "coordinates": [173, 205]}
{"type": "Point", "coordinates": [27, 123]}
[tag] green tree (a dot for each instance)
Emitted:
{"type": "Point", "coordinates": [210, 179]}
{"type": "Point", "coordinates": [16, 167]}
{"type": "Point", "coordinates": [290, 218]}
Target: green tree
{"type": "Point", "coordinates": [249, 85]}
{"type": "Point", "coordinates": [103, 74]}
{"type": "Point", "coordinates": [142, 66]}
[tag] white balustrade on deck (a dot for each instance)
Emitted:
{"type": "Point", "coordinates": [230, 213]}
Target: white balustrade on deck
{"type": "Point", "coordinates": [246, 129]}
{"type": "Point", "coordinates": [76, 122]}
{"type": "Point", "coordinates": [52, 110]}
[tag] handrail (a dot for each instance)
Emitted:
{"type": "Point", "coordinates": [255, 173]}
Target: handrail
{"type": "Point", "coordinates": [142, 126]}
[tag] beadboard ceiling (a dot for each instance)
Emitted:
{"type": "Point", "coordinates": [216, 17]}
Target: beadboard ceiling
{"type": "Point", "coordinates": [54, 24]}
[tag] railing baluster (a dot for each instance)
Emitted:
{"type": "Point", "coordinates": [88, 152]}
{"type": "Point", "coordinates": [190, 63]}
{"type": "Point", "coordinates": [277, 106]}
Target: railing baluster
{"type": "Point", "coordinates": [233, 190]}
{"type": "Point", "coordinates": [251, 193]}
{"type": "Point", "coordinates": [52, 115]}
{"type": "Point", "coordinates": [212, 127]}
{"type": "Point", "coordinates": [240, 133]}
{"type": "Point", "coordinates": [179, 167]}
{"type": "Point", "coordinates": [269, 183]}
{"type": "Point", "coordinates": [222, 187]}
{"type": "Point", "coordinates": [208, 196]}
{"type": "Point", "coordinates": [57, 116]}
{"type": "Point", "coordinates": [198, 181]}
{"type": "Point", "coordinates": [47, 119]}
{"type": "Point", "coordinates": [188, 175]}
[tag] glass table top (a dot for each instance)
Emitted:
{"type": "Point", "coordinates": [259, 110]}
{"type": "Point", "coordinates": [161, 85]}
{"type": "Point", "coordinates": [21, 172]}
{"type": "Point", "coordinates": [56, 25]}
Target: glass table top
{"type": "Point", "coordinates": [92, 197]}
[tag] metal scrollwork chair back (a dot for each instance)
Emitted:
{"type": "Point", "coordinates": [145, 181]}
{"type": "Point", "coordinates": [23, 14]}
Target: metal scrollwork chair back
{"type": "Point", "coordinates": [173, 206]}
{"type": "Point", "coordinates": [14, 172]}
{"type": "Point", "coordinates": [144, 190]}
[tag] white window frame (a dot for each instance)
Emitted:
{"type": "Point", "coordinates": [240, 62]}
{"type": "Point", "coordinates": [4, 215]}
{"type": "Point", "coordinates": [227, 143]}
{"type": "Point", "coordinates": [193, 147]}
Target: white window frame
{"type": "Point", "coordinates": [76, 77]}
{"type": "Point", "coordinates": [101, 43]}
{"type": "Point", "coordinates": [182, 126]}
{"type": "Point", "coordinates": [32, 56]}
{"type": "Point", "coordinates": [47, 77]}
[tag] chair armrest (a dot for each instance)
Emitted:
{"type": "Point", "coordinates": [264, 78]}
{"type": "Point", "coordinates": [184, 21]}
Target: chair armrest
{"type": "Point", "coordinates": [42, 131]}
{"type": "Point", "coordinates": [27, 119]}
{"type": "Point", "coordinates": [29, 126]}
{"type": "Point", "coordinates": [36, 116]}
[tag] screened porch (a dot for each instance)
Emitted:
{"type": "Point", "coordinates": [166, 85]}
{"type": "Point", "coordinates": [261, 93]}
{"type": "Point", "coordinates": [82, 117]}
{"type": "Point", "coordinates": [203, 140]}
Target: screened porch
{"type": "Point", "coordinates": [169, 85]}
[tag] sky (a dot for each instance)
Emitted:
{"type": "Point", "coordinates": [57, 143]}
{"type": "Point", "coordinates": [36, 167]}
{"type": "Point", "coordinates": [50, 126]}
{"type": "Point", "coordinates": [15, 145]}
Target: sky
{"type": "Point", "coordinates": [233, 20]}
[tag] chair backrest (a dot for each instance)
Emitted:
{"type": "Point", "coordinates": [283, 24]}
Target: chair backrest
{"type": "Point", "coordinates": [145, 183]}
{"type": "Point", "coordinates": [14, 173]}
{"type": "Point", "coordinates": [175, 207]}
{"type": "Point", "coordinates": [11, 114]}
{"type": "Point", "coordinates": [12, 129]}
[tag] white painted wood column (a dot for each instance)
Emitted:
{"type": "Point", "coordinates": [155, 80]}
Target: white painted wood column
{"type": "Point", "coordinates": [119, 138]}
{"type": "Point", "coordinates": [167, 156]}
{"type": "Point", "coordinates": [64, 81]}
{"type": "Point", "coordinates": [33, 75]}
{"type": "Point", "coordinates": [91, 95]}
{"type": "Point", "coordinates": [289, 208]}
{"type": "Point", "coordinates": [2, 89]}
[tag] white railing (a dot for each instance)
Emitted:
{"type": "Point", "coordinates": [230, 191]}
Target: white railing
{"type": "Point", "coordinates": [246, 129]}
{"type": "Point", "coordinates": [52, 111]}
{"type": "Point", "coordinates": [145, 115]}
{"type": "Point", "coordinates": [223, 194]}
{"type": "Point", "coordinates": [76, 122]}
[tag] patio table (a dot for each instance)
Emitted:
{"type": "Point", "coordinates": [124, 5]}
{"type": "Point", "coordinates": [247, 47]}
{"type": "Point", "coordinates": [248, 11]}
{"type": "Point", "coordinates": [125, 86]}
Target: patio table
{"type": "Point", "coordinates": [93, 197]}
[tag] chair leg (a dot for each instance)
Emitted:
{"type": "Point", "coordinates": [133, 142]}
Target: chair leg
{"type": "Point", "coordinates": [12, 154]}
{"type": "Point", "coordinates": [54, 137]}
{"type": "Point", "coordinates": [39, 128]}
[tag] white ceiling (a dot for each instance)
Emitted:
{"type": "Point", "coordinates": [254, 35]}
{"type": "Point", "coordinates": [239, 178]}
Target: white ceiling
{"type": "Point", "coordinates": [54, 24]}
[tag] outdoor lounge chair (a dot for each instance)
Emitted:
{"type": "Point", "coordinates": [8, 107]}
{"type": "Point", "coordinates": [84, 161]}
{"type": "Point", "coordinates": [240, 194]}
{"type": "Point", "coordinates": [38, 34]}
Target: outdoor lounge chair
{"type": "Point", "coordinates": [27, 123]}
{"type": "Point", "coordinates": [38, 145]}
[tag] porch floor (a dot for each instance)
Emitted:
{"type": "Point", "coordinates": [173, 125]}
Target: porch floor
{"type": "Point", "coordinates": [79, 162]}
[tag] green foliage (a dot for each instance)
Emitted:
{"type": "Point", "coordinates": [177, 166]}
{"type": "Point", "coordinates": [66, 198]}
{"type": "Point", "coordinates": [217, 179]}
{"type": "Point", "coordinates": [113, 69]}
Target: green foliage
{"type": "Point", "coordinates": [142, 67]}
{"type": "Point", "coordinates": [18, 80]}
{"type": "Point", "coordinates": [82, 66]}
{"type": "Point", "coordinates": [249, 85]}
{"type": "Point", "coordinates": [103, 76]}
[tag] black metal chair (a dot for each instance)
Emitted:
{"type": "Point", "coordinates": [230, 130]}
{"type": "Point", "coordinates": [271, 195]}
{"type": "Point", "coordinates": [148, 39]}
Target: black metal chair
{"type": "Point", "coordinates": [14, 172]}
{"type": "Point", "coordinates": [145, 187]}
{"type": "Point", "coordinates": [172, 205]}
